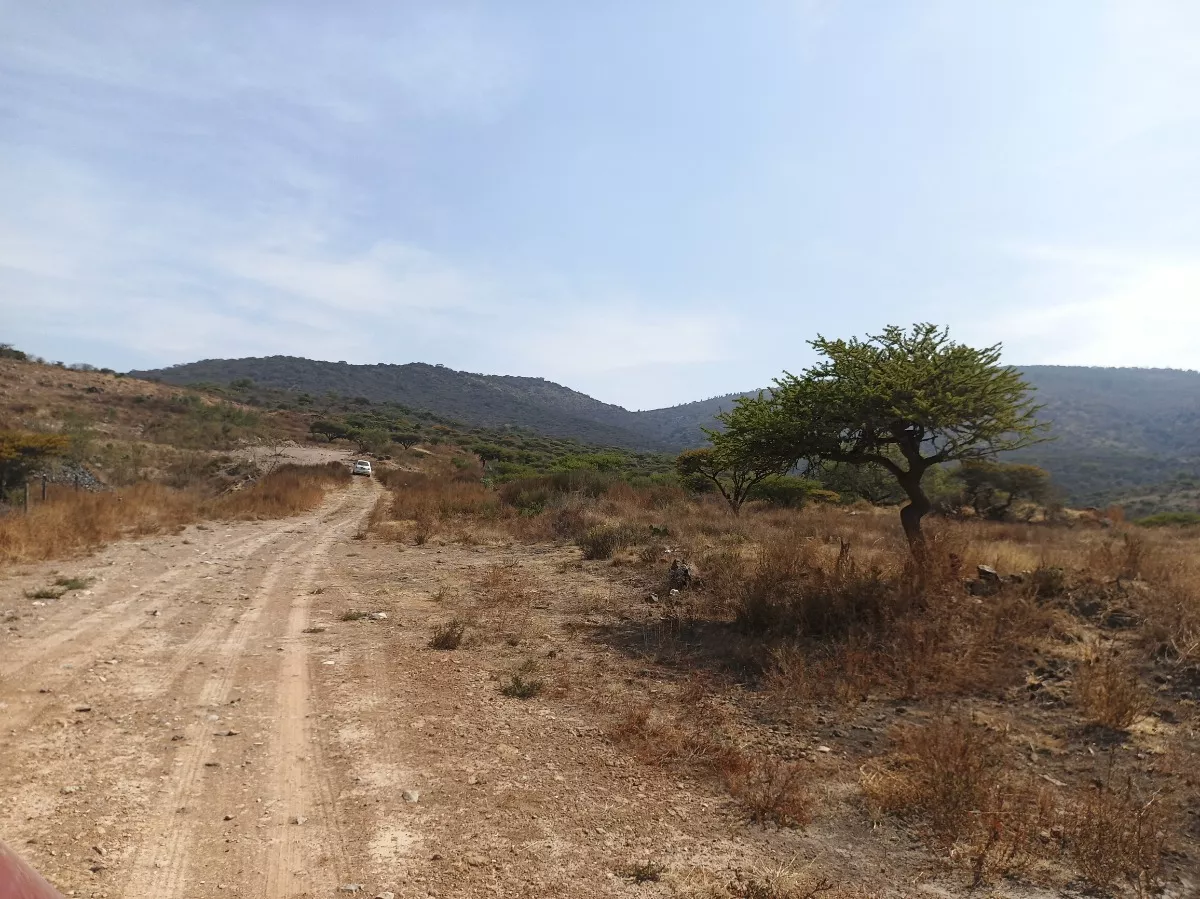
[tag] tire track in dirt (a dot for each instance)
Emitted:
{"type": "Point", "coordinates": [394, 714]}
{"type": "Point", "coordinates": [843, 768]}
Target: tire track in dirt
{"type": "Point", "coordinates": [301, 788]}
{"type": "Point", "coordinates": [50, 674]}
{"type": "Point", "coordinates": [60, 642]}
{"type": "Point", "coordinates": [161, 867]}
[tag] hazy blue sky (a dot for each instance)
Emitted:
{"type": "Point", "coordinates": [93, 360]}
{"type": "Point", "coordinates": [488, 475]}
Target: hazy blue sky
{"type": "Point", "coordinates": [649, 201]}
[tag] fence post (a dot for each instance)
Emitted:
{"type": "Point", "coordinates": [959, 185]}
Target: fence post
{"type": "Point", "coordinates": [76, 482]}
{"type": "Point", "coordinates": [43, 488]}
{"type": "Point", "coordinates": [26, 497]}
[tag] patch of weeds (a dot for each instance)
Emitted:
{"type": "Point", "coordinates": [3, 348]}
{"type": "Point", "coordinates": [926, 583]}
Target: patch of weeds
{"type": "Point", "coordinates": [74, 583]}
{"type": "Point", "coordinates": [772, 791]}
{"type": "Point", "coordinates": [521, 687]}
{"type": "Point", "coordinates": [645, 871]}
{"type": "Point", "coordinates": [317, 591]}
{"type": "Point", "coordinates": [313, 630]}
{"type": "Point", "coordinates": [1113, 834]}
{"type": "Point", "coordinates": [777, 885]}
{"type": "Point", "coordinates": [44, 593]}
{"type": "Point", "coordinates": [448, 635]}
{"type": "Point", "coordinates": [353, 615]}
{"type": "Point", "coordinates": [1110, 692]}
{"type": "Point", "coordinates": [602, 540]}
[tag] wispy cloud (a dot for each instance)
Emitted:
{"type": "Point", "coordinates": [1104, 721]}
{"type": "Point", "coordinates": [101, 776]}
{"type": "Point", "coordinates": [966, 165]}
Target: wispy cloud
{"type": "Point", "coordinates": [1091, 305]}
{"type": "Point", "coordinates": [384, 59]}
{"type": "Point", "coordinates": [579, 192]}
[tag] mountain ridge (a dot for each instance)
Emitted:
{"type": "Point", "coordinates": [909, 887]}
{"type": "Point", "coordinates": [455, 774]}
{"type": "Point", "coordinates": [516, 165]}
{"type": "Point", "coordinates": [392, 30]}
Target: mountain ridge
{"type": "Point", "coordinates": [1118, 430]}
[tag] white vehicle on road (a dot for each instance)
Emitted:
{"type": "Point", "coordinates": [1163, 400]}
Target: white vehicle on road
{"type": "Point", "coordinates": [362, 466]}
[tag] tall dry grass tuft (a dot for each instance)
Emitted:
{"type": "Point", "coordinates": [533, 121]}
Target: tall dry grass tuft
{"type": "Point", "coordinates": [1113, 833]}
{"type": "Point", "coordinates": [841, 626]}
{"type": "Point", "coordinates": [951, 779]}
{"type": "Point", "coordinates": [286, 490]}
{"type": "Point", "coordinates": [70, 522]}
{"type": "Point", "coordinates": [422, 504]}
{"type": "Point", "coordinates": [1109, 692]}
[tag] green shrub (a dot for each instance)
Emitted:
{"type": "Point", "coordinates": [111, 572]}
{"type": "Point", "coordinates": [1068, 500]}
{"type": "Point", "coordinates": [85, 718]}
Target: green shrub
{"type": "Point", "coordinates": [535, 491]}
{"type": "Point", "coordinates": [518, 687]}
{"type": "Point", "coordinates": [1170, 520]}
{"type": "Point", "coordinates": [785, 491]}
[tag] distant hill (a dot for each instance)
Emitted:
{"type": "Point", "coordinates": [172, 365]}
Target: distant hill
{"type": "Point", "coordinates": [1122, 433]}
{"type": "Point", "coordinates": [474, 399]}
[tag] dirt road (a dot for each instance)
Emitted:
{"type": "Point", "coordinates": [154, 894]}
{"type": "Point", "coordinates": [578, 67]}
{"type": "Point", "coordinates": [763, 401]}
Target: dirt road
{"type": "Point", "coordinates": [207, 719]}
{"type": "Point", "coordinates": [153, 719]}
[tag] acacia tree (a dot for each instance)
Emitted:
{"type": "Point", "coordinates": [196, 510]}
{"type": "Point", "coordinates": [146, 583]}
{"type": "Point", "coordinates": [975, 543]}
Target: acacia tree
{"type": "Point", "coordinates": [734, 473]}
{"type": "Point", "coordinates": [902, 400]}
{"type": "Point", "coordinates": [993, 487]}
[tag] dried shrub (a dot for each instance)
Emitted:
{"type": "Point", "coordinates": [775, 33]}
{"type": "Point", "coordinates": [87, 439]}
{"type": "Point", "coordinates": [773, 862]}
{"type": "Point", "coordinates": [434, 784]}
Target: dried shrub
{"type": "Point", "coordinates": [424, 524]}
{"type": "Point", "coordinates": [645, 871]}
{"type": "Point", "coordinates": [1113, 834]}
{"type": "Point", "coordinates": [448, 635]}
{"type": "Point", "coordinates": [1109, 692]}
{"type": "Point", "coordinates": [950, 779]}
{"type": "Point", "coordinates": [772, 791]}
{"type": "Point", "coordinates": [505, 584]}
{"type": "Point", "coordinates": [602, 540]}
{"type": "Point", "coordinates": [939, 775]}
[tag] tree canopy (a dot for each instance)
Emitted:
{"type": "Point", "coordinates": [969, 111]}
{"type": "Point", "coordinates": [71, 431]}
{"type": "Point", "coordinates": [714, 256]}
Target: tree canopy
{"type": "Point", "coordinates": [22, 453]}
{"type": "Point", "coordinates": [726, 466]}
{"type": "Point", "coordinates": [992, 488]}
{"type": "Point", "coordinates": [903, 400]}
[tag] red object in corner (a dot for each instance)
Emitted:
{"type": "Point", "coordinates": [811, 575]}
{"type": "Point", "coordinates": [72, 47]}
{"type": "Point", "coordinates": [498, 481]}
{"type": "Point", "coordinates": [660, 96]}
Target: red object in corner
{"type": "Point", "coordinates": [19, 881]}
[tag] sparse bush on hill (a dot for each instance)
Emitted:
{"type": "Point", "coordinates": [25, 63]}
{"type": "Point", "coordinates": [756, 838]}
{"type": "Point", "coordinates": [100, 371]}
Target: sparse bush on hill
{"type": "Point", "coordinates": [729, 467]}
{"type": "Point", "coordinates": [992, 488]}
{"type": "Point", "coordinates": [22, 453]}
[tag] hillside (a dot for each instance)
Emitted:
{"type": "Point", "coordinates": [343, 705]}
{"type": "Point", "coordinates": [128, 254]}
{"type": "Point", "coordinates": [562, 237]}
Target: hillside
{"type": "Point", "coordinates": [480, 400]}
{"type": "Point", "coordinates": [1120, 434]}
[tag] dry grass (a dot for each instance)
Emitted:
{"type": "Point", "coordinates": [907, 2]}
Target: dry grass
{"type": "Point", "coordinates": [1109, 692]}
{"type": "Point", "coordinates": [1113, 834]}
{"type": "Point", "coordinates": [951, 778]}
{"type": "Point", "coordinates": [820, 616]}
{"type": "Point", "coordinates": [287, 490]}
{"type": "Point", "coordinates": [772, 792]}
{"type": "Point", "coordinates": [70, 522]}
{"type": "Point", "coordinates": [955, 781]}
{"type": "Point", "coordinates": [448, 635]}
{"type": "Point", "coordinates": [423, 504]}
{"type": "Point", "coordinates": [769, 791]}
{"type": "Point", "coordinates": [505, 584]}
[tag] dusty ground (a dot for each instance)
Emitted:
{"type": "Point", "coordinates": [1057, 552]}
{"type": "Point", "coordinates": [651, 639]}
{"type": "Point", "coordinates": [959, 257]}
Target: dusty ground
{"type": "Point", "coordinates": [204, 720]}
{"type": "Point", "coordinates": [200, 721]}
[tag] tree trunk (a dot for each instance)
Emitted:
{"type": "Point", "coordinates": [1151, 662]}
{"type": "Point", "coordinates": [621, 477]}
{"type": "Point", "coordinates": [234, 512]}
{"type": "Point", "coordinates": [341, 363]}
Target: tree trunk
{"type": "Point", "coordinates": [918, 507]}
